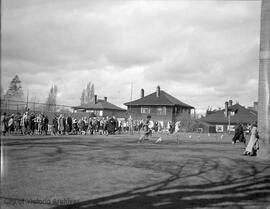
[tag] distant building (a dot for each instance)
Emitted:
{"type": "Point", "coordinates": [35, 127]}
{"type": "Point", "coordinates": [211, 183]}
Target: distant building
{"type": "Point", "coordinates": [160, 105]}
{"type": "Point", "coordinates": [101, 108]}
{"type": "Point", "coordinates": [216, 121]}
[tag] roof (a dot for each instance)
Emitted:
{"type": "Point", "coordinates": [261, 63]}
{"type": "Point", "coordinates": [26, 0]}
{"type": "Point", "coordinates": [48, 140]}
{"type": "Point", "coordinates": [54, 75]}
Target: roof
{"type": "Point", "coordinates": [100, 105]}
{"type": "Point", "coordinates": [243, 115]}
{"type": "Point", "coordinates": [164, 99]}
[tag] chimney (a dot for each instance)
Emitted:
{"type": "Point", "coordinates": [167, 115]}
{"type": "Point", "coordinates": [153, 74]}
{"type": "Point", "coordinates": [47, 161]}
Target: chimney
{"type": "Point", "coordinates": [230, 103]}
{"type": "Point", "coordinates": [95, 98]}
{"type": "Point", "coordinates": [105, 99]}
{"type": "Point", "coordinates": [226, 109]}
{"type": "Point", "coordinates": [142, 93]}
{"type": "Point", "coordinates": [158, 91]}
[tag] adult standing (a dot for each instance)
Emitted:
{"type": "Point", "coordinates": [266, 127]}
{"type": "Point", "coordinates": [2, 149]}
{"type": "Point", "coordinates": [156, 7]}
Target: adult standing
{"type": "Point", "coordinates": [11, 124]}
{"type": "Point", "coordinates": [253, 144]}
{"type": "Point", "coordinates": [32, 123]}
{"type": "Point", "coordinates": [106, 125]}
{"type": "Point", "coordinates": [39, 122]}
{"type": "Point", "coordinates": [69, 124]}
{"type": "Point", "coordinates": [55, 125]}
{"type": "Point", "coordinates": [46, 124]}
{"type": "Point", "coordinates": [177, 130]}
{"type": "Point", "coordinates": [17, 122]}
{"type": "Point", "coordinates": [111, 126]}
{"type": "Point", "coordinates": [61, 124]}
{"type": "Point", "coordinates": [4, 123]}
{"type": "Point", "coordinates": [25, 123]}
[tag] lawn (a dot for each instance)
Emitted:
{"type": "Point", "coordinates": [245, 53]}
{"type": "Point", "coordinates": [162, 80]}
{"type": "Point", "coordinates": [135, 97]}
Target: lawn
{"type": "Point", "coordinates": [96, 172]}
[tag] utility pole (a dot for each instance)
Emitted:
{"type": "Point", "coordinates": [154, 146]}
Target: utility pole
{"type": "Point", "coordinates": [264, 82]}
{"type": "Point", "coordinates": [27, 99]}
{"type": "Point", "coordinates": [228, 111]}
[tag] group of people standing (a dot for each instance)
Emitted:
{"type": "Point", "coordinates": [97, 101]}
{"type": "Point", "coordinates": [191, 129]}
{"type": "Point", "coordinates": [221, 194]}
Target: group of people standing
{"type": "Point", "coordinates": [25, 124]}
{"type": "Point", "coordinates": [38, 124]}
{"type": "Point", "coordinates": [66, 125]}
{"type": "Point", "coordinates": [253, 144]}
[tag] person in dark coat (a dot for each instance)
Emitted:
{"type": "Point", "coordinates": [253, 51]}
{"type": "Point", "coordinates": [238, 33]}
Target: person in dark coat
{"type": "Point", "coordinates": [115, 124]}
{"type": "Point", "coordinates": [111, 126]}
{"type": "Point", "coordinates": [69, 124]}
{"type": "Point", "coordinates": [46, 124]}
{"type": "Point", "coordinates": [97, 126]}
{"type": "Point", "coordinates": [239, 134]}
{"type": "Point", "coordinates": [32, 123]}
{"type": "Point", "coordinates": [75, 126]}
{"type": "Point", "coordinates": [90, 126]}
{"type": "Point", "coordinates": [55, 125]}
{"type": "Point", "coordinates": [64, 120]}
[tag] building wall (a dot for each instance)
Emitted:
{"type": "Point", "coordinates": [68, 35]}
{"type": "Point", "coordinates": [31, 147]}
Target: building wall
{"type": "Point", "coordinates": [136, 114]}
{"type": "Point", "coordinates": [171, 113]}
{"type": "Point", "coordinates": [104, 113]}
{"type": "Point", "coordinates": [115, 113]}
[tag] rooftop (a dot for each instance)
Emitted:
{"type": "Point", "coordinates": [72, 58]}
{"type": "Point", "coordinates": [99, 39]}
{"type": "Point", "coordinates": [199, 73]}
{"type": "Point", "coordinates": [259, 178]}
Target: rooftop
{"type": "Point", "coordinates": [100, 105]}
{"type": "Point", "coordinates": [243, 115]}
{"type": "Point", "coordinates": [163, 99]}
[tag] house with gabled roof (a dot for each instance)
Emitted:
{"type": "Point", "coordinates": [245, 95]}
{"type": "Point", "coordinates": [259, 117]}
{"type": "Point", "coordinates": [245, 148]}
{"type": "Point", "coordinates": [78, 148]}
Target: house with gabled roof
{"type": "Point", "coordinates": [162, 107]}
{"type": "Point", "coordinates": [101, 108]}
{"type": "Point", "coordinates": [238, 114]}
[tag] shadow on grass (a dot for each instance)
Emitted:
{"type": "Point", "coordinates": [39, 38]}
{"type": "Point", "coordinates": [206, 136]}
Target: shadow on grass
{"type": "Point", "coordinates": [215, 183]}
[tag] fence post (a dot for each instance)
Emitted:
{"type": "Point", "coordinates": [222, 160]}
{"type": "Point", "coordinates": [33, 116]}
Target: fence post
{"type": "Point", "coordinates": [7, 106]}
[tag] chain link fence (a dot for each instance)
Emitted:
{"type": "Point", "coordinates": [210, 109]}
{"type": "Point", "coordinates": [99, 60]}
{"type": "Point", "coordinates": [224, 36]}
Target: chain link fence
{"type": "Point", "coordinates": [20, 107]}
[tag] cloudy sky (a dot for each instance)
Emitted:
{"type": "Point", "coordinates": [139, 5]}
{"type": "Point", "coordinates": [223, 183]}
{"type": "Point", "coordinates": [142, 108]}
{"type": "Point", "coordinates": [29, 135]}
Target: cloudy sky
{"type": "Point", "coordinates": [201, 52]}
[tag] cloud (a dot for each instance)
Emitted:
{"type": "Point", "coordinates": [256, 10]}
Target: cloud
{"type": "Point", "coordinates": [200, 52]}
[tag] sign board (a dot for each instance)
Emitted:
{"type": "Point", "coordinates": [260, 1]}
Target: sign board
{"type": "Point", "coordinates": [230, 128]}
{"type": "Point", "coordinates": [219, 128]}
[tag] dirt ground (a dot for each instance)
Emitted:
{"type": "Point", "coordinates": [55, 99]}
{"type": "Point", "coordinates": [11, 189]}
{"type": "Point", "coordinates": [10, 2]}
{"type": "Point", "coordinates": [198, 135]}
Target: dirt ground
{"type": "Point", "coordinates": [96, 172]}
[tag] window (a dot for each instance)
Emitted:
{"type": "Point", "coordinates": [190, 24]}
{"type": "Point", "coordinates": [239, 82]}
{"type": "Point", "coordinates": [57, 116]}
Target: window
{"type": "Point", "coordinates": [161, 111]}
{"type": "Point", "coordinates": [145, 110]}
{"type": "Point", "coordinates": [99, 113]}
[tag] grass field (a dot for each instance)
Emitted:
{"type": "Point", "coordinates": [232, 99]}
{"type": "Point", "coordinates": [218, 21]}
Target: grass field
{"type": "Point", "coordinates": [69, 172]}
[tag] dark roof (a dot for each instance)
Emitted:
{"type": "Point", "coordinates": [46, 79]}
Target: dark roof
{"type": "Point", "coordinates": [164, 99]}
{"type": "Point", "coordinates": [100, 105]}
{"type": "Point", "coordinates": [243, 115]}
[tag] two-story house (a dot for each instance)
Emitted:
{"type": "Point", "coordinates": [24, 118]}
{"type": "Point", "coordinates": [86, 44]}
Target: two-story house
{"type": "Point", "coordinates": [160, 105]}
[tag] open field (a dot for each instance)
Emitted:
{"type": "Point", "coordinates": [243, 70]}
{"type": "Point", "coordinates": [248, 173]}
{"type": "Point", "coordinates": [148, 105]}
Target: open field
{"type": "Point", "coordinates": [69, 172]}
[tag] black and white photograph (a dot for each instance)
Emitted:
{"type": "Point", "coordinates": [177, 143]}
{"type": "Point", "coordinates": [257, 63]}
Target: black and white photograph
{"type": "Point", "coordinates": [135, 104]}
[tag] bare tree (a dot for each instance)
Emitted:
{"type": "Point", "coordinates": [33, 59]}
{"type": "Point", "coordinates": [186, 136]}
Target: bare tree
{"type": "Point", "coordinates": [83, 97]}
{"type": "Point", "coordinates": [51, 100]}
{"type": "Point", "coordinates": [92, 93]}
{"type": "Point", "coordinates": [88, 92]}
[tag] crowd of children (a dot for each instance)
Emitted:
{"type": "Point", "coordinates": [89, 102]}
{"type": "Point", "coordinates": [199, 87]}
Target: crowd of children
{"type": "Point", "coordinates": [25, 124]}
{"type": "Point", "coordinates": [30, 123]}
